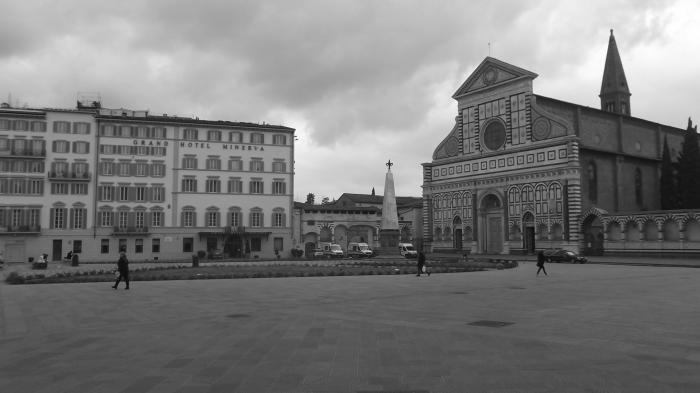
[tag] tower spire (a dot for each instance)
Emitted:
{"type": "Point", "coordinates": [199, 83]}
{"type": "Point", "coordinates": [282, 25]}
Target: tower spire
{"type": "Point", "coordinates": [614, 92]}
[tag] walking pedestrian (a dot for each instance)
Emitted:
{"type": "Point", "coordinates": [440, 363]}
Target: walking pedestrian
{"type": "Point", "coordinates": [540, 263]}
{"type": "Point", "coordinates": [421, 265]}
{"type": "Point", "coordinates": [123, 268]}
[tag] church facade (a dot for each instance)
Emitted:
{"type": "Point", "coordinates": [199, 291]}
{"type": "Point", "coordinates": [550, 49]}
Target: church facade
{"type": "Point", "coordinates": [520, 172]}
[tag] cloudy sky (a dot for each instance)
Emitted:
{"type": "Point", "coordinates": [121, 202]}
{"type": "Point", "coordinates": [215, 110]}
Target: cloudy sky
{"type": "Point", "coordinates": [360, 81]}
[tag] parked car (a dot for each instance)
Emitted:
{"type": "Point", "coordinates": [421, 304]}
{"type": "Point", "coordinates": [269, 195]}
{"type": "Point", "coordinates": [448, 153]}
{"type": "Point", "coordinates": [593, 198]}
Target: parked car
{"type": "Point", "coordinates": [216, 254]}
{"type": "Point", "coordinates": [359, 250]}
{"type": "Point", "coordinates": [560, 255]}
{"type": "Point", "coordinates": [318, 253]}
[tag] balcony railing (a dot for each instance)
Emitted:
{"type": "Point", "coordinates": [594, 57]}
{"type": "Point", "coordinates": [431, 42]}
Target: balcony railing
{"type": "Point", "coordinates": [63, 176]}
{"type": "Point", "coordinates": [22, 153]}
{"type": "Point", "coordinates": [122, 231]}
{"type": "Point", "coordinates": [20, 229]}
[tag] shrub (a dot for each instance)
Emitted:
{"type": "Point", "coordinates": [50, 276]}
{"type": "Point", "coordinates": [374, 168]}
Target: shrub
{"type": "Point", "coordinates": [14, 278]}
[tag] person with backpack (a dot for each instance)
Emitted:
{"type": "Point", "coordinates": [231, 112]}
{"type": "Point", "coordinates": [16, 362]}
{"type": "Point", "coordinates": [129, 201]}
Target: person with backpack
{"type": "Point", "coordinates": [123, 268]}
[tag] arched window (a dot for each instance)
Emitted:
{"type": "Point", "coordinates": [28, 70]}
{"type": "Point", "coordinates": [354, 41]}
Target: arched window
{"type": "Point", "coordinates": [592, 182]}
{"type": "Point", "coordinates": [638, 196]}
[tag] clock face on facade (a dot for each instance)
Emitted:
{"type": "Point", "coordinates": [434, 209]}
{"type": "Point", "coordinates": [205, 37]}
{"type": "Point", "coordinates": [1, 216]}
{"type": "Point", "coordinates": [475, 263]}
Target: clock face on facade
{"type": "Point", "coordinates": [494, 135]}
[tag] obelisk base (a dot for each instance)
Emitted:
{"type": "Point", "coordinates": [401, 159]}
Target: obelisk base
{"type": "Point", "coordinates": [389, 242]}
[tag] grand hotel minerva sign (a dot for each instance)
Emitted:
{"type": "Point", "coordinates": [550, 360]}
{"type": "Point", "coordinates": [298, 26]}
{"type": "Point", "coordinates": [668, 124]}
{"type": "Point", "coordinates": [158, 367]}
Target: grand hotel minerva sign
{"type": "Point", "coordinates": [199, 145]}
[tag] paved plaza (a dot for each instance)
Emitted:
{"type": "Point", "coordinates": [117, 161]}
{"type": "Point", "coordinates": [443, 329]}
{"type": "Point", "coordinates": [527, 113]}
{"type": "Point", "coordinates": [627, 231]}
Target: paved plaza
{"type": "Point", "coordinates": [583, 328]}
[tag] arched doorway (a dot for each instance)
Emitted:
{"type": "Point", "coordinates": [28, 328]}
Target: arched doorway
{"type": "Point", "coordinates": [491, 240]}
{"type": "Point", "coordinates": [457, 225]}
{"type": "Point", "coordinates": [529, 233]}
{"type": "Point", "coordinates": [593, 236]}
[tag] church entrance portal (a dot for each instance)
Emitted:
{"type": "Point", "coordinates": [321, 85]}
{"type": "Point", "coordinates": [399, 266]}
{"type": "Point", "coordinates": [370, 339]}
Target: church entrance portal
{"type": "Point", "coordinates": [491, 240]}
{"type": "Point", "coordinates": [593, 236]}
{"type": "Point", "coordinates": [457, 225]}
{"type": "Point", "coordinates": [529, 233]}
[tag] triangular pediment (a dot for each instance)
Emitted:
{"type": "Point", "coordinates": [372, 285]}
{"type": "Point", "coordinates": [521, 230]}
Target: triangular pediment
{"type": "Point", "coordinates": [492, 72]}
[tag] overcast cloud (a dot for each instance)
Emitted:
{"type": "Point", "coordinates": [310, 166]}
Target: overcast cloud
{"type": "Point", "coordinates": [361, 81]}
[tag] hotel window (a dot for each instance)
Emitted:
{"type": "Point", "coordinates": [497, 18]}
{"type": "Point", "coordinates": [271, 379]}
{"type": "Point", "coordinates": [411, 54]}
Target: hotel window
{"type": "Point", "coordinates": [81, 147]}
{"type": "Point", "coordinates": [256, 187]}
{"type": "Point", "coordinates": [188, 218]}
{"type": "Point", "coordinates": [79, 189]}
{"type": "Point", "coordinates": [235, 186]}
{"type": "Point", "coordinates": [81, 128]}
{"type": "Point", "coordinates": [16, 217]}
{"type": "Point", "coordinates": [80, 170]}
{"type": "Point", "coordinates": [124, 131]}
{"type": "Point", "coordinates": [79, 218]}
{"type": "Point", "coordinates": [213, 163]}
{"type": "Point", "coordinates": [123, 193]}
{"type": "Point", "coordinates": [60, 147]}
{"type": "Point", "coordinates": [36, 167]}
{"type": "Point", "coordinates": [256, 218]}
{"type": "Point", "coordinates": [140, 218]}
{"type": "Point", "coordinates": [234, 218]}
{"type": "Point", "coordinates": [5, 124]}
{"type": "Point", "coordinates": [61, 127]}
{"type": "Point", "coordinates": [279, 187]}
{"type": "Point", "coordinates": [20, 147]}
{"type": "Point", "coordinates": [18, 166]}
{"type": "Point", "coordinates": [34, 216]}
{"type": "Point", "coordinates": [158, 132]}
{"type": "Point", "coordinates": [107, 130]}
{"type": "Point", "coordinates": [17, 186]}
{"type": "Point", "coordinates": [106, 218]}
{"type": "Point", "coordinates": [124, 168]}
{"type": "Point", "coordinates": [212, 185]}
{"type": "Point", "coordinates": [189, 184]}
{"type": "Point", "coordinates": [59, 188]}
{"type": "Point", "coordinates": [122, 245]}
{"type": "Point", "coordinates": [4, 145]}
{"type": "Point", "coordinates": [235, 137]}
{"type": "Point", "coordinates": [257, 138]}
{"type": "Point", "coordinates": [107, 168]}
{"type": "Point", "coordinates": [155, 245]}
{"type": "Point", "coordinates": [156, 219]}
{"type": "Point", "coordinates": [123, 219]}
{"type": "Point", "coordinates": [257, 165]}
{"type": "Point", "coordinates": [106, 192]}
{"type": "Point", "coordinates": [190, 134]}
{"type": "Point", "coordinates": [107, 149]}
{"type": "Point", "coordinates": [189, 162]}
{"type": "Point", "coordinates": [142, 150]}
{"type": "Point", "coordinates": [104, 246]}
{"type": "Point", "coordinates": [36, 187]}
{"type": "Point", "coordinates": [59, 218]}
{"type": "Point", "coordinates": [157, 194]}
{"type": "Point", "coordinates": [214, 135]}
{"type": "Point", "coordinates": [235, 164]}
{"type": "Point", "coordinates": [142, 132]}
{"type": "Point", "coordinates": [21, 125]}
{"type": "Point", "coordinates": [157, 169]}
{"type": "Point", "coordinates": [158, 151]}
{"type": "Point", "coordinates": [212, 218]}
{"type": "Point", "coordinates": [39, 126]}
{"type": "Point", "coordinates": [126, 150]}
{"type": "Point", "coordinates": [279, 139]}
{"type": "Point", "coordinates": [38, 147]}
{"type": "Point", "coordinates": [278, 218]}
{"type": "Point", "coordinates": [138, 246]}
{"type": "Point", "coordinates": [141, 169]}
{"type": "Point", "coordinates": [279, 166]}
{"type": "Point", "coordinates": [141, 193]}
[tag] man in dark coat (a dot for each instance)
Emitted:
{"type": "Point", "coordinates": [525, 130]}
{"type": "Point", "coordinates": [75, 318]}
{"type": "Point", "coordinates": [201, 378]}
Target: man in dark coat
{"type": "Point", "coordinates": [421, 263]}
{"type": "Point", "coordinates": [123, 268]}
{"type": "Point", "coordinates": [540, 263]}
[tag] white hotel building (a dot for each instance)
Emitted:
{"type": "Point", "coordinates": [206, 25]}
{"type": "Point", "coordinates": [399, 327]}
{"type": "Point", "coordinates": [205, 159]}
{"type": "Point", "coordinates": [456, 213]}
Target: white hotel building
{"type": "Point", "coordinates": [93, 180]}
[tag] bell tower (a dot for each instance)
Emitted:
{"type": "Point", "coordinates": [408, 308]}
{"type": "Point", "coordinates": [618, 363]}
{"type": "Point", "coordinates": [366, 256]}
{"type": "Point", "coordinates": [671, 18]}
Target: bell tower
{"type": "Point", "coordinates": [614, 92]}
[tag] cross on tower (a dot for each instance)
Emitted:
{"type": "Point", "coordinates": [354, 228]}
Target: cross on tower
{"type": "Point", "coordinates": [389, 164]}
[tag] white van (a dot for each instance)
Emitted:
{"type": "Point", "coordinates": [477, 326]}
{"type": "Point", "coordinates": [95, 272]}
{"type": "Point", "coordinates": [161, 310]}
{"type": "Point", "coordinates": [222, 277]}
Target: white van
{"type": "Point", "coordinates": [331, 250]}
{"type": "Point", "coordinates": [359, 250]}
{"type": "Point", "coordinates": [407, 250]}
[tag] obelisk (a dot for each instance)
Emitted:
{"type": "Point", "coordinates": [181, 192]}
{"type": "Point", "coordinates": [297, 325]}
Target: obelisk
{"type": "Point", "coordinates": [389, 228]}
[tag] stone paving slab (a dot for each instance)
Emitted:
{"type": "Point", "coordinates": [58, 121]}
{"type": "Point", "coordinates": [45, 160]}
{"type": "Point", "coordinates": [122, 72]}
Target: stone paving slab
{"type": "Point", "coordinates": [583, 328]}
